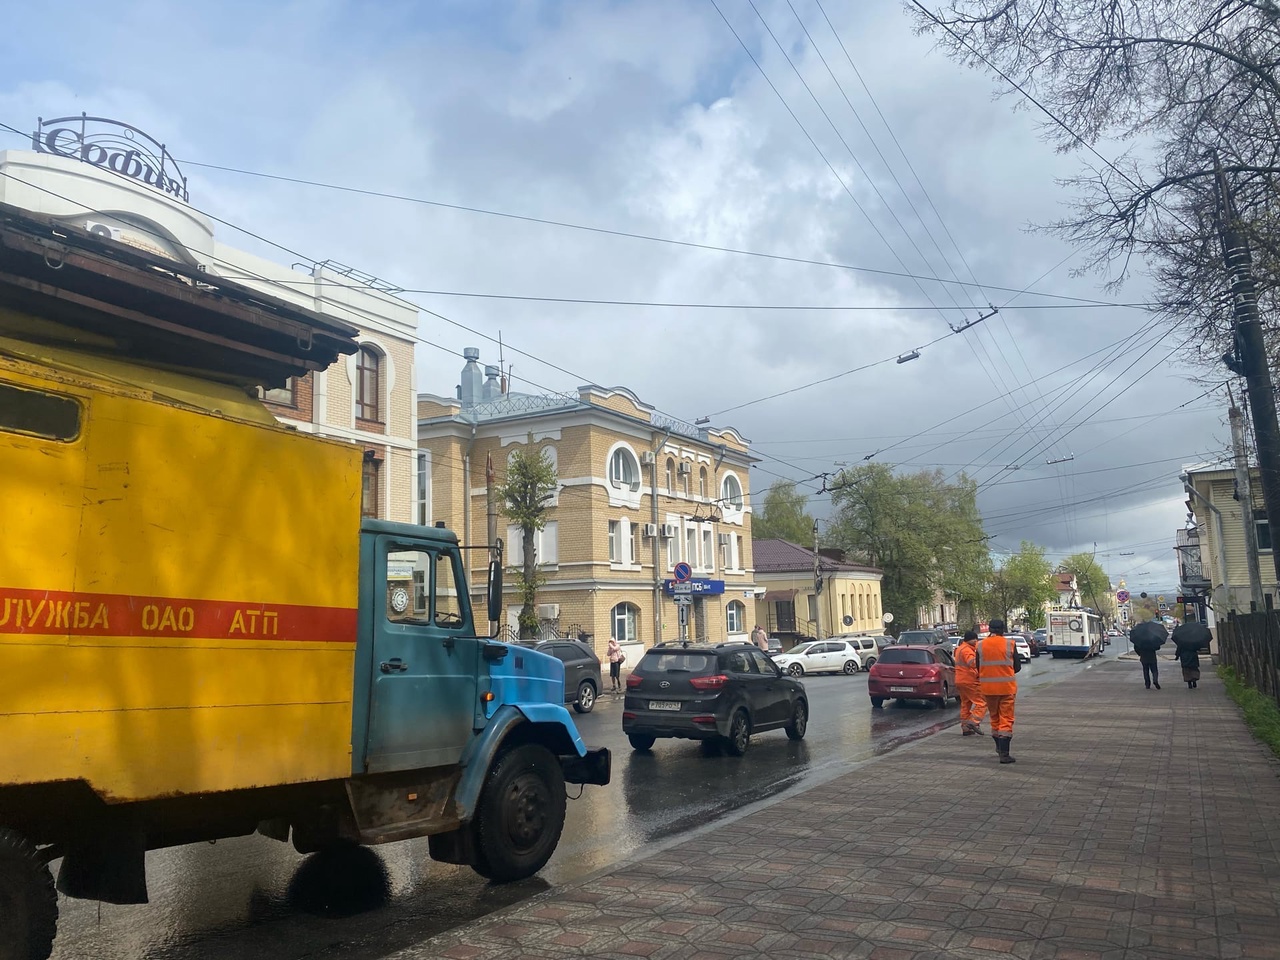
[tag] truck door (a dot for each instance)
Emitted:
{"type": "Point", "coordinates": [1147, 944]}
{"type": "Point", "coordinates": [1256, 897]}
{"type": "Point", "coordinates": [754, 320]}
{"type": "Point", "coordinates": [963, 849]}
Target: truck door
{"type": "Point", "coordinates": [426, 658]}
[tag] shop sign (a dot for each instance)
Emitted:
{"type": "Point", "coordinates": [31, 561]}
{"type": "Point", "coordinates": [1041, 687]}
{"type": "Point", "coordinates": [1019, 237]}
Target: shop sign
{"type": "Point", "coordinates": [698, 586]}
{"type": "Point", "coordinates": [114, 146]}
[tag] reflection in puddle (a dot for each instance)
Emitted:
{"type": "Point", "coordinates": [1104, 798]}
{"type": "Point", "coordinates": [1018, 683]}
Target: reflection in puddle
{"type": "Point", "coordinates": [340, 882]}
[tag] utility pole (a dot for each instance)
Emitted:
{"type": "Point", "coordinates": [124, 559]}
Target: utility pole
{"type": "Point", "coordinates": [1250, 356]}
{"type": "Point", "coordinates": [817, 585]}
{"type": "Point", "coordinates": [1244, 493]}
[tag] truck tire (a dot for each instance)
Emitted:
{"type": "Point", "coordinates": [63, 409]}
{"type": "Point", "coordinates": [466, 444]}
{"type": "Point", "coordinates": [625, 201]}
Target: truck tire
{"type": "Point", "coordinates": [520, 814]}
{"type": "Point", "coordinates": [28, 901]}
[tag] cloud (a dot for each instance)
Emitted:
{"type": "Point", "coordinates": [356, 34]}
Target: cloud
{"type": "Point", "coordinates": [650, 118]}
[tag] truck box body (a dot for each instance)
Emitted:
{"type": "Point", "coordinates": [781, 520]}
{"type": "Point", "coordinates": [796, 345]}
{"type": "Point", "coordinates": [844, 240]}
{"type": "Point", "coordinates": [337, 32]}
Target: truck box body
{"type": "Point", "coordinates": [178, 583]}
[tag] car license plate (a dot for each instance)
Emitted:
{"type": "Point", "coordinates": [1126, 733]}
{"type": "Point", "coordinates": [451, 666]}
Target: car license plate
{"type": "Point", "coordinates": [663, 705]}
{"type": "Point", "coordinates": [902, 689]}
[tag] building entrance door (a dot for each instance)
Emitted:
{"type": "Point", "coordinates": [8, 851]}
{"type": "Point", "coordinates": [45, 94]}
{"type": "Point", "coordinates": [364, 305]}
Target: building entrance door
{"type": "Point", "coordinates": [786, 616]}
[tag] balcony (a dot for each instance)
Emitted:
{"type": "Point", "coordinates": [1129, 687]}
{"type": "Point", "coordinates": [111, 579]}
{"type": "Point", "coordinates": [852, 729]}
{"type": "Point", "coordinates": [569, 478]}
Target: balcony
{"type": "Point", "coordinates": [1191, 574]}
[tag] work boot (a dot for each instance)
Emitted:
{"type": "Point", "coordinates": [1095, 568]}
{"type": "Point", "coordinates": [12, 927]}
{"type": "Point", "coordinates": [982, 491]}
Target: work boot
{"type": "Point", "coordinates": [1004, 750]}
{"type": "Point", "coordinates": [999, 747]}
{"type": "Point", "coordinates": [967, 729]}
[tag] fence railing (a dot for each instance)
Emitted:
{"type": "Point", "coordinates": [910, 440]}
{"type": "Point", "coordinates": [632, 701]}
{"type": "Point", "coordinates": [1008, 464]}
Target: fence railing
{"type": "Point", "coordinates": [1249, 643]}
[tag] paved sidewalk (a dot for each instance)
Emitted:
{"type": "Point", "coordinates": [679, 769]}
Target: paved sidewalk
{"type": "Point", "coordinates": [1136, 824]}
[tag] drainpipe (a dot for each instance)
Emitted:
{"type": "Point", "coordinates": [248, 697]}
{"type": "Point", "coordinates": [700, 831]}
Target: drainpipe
{"type": "Point", "coordinates": [466, 506]}
{"type": "Point", "coordinates": [657, 549]}
{"type": "Point", "coordinates": [1189, 487]}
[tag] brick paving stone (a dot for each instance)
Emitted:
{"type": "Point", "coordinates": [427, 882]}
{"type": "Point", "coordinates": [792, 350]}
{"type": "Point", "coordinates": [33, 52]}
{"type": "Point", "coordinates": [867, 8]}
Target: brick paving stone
{"type": "Point", "coordinates": [1141, 828]}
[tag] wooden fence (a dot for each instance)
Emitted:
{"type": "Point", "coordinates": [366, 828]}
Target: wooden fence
{"type": "Point", "coordinates": [1249, 643]}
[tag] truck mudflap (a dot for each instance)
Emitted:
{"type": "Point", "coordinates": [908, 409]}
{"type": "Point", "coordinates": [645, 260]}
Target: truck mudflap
{"type": "Point", "coordinates": [592, 768]}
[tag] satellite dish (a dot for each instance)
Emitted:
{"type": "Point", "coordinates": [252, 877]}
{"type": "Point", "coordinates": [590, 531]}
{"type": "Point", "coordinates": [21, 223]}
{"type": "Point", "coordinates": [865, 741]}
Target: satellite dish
{"type": "Point", "coordinates": [887, 618]}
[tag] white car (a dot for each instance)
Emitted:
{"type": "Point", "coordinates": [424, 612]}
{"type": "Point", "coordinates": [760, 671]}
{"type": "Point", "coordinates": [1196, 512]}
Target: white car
{"type": "Point", "coordinates": [1022, 649]}
{"type": "Point", "coordinates": [820, 656]}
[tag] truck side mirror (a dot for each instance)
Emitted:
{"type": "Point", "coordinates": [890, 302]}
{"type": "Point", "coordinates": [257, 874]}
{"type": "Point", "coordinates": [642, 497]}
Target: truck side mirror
{"type": "Point", "coordinates": [494, 593]}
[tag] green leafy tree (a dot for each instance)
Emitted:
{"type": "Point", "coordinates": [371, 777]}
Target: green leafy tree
{"type": "Point", "coordinates": [783, 515]}
{"type": "Point", "coordinates": [924, 533]}
{"type": "Point", "coordinates": [1093, 583]}
{"type": "Point", "coordinates": [526, 492]}
{"type": "Point", "coordinates": [1025, 582]}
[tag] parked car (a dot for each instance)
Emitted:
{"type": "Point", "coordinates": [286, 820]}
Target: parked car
{"type": "Point", "coordinates": [1040, 640]}
{"type": "Point", "coordinates": [912, 672]}
{"type": "Point", "coordinates": [868, 649]}
{"type": "Point", "coordinates": [724, 693]}
{"type": "Point", "coordinates": [582, 682]}
{"type": "Point", "coordinates": [925, 636]}
{"type": "Point", "coordinates": [836, 655]}
{"type": "Point", "coordinates": [775, 646]}
{"type": "Point", "coordinates": [1021, 648]}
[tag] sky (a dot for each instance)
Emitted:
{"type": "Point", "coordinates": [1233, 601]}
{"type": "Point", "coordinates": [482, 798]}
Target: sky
{"type": "Point", "coordinates": [714, 125]}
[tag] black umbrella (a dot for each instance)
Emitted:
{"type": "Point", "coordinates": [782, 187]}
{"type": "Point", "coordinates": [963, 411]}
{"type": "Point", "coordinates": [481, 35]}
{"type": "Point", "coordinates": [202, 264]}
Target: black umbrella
{"type": "Point", "coordinates": [1148, 636]}
{"type": "Point", "coordinates": [1192, 636]}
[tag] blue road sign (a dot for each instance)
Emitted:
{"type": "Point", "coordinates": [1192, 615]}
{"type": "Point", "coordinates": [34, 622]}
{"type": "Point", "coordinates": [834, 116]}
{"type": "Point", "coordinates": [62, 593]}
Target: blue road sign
{"type": "Point", "coordinates": [683, 571]}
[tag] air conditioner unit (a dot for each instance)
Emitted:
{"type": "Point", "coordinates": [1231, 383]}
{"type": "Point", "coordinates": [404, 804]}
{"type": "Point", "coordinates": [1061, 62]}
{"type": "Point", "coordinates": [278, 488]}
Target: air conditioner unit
{"type": "Point", "coordinates": [684, 469]}
{"type": "Point", "coordinates": [548, 611]}
{"type": "Point", "coordinates": [668, 530]}
{"type": "Point", "coordinates": [102, 230]}
{"type": "Point", "coordinates": [647, 457]}
{"type": "Point", "coordinates": [650, 529]}
{"type": "Point", "coordinates": [724, 539]}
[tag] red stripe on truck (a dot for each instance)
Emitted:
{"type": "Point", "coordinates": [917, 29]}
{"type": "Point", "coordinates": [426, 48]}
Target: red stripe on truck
{"type": "Point", "coordinates": [74, 613]}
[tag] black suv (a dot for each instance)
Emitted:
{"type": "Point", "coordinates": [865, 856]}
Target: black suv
{"type": "Point", "coordinates": [724, 693]}
{"type": "Point", "coordinates": [581, 671]}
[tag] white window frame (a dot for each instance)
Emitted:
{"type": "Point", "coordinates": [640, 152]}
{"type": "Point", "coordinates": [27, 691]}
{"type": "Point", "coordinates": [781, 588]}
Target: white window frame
{"type": "Point", "coordinates": [624, 469]}
{"type": "Point", "coordinates": [628, 614]}
{"type": "Point", "coordinates": [732, 501]}
{"type": "Point", "coordinates": [615, 541]}
{"type": "Point", "coordinates": [738, 608]}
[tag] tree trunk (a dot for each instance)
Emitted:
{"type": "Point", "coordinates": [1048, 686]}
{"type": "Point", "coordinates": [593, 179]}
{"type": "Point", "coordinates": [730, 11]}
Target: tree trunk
{"type": "Point", "coordinates": [528, 616]}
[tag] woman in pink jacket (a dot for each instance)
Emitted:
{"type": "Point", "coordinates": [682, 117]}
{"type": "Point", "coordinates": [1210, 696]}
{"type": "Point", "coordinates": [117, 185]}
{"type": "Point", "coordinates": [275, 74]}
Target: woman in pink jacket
{"type": "Point", "coordinates": [616, 659]}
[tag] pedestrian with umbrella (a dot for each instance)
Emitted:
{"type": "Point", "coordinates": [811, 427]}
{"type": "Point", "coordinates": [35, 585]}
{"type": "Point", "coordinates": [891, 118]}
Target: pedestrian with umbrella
{"type": "Point", "coordinates": [1148, 637]}
{"type": "Point", "coordinates": [1188, 640]}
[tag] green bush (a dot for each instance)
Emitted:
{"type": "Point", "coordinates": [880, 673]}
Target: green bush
{"type": "Point", "coordinates": [1261, 713]}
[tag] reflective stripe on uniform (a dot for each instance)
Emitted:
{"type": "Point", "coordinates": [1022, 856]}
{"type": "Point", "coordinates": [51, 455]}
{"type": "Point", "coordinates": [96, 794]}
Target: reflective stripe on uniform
{"type": "Point", "coordinates": [996, 676]}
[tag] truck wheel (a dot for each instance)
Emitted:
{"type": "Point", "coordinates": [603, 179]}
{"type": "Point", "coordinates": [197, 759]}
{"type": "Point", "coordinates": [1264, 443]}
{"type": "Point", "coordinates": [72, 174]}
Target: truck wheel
{"type": "Point", "coordinates": [520, 814]}
{"type": "Point", "coordinates": [586, 697]}
{"type": "Point", "coordinates": [28, 901]}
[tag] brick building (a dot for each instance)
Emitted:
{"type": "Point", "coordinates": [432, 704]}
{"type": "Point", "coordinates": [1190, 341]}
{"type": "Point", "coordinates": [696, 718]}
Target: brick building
{"type": "Point", "coordinates": [789, 606]}
{"type": "Point", "coordinates": [634, 488]}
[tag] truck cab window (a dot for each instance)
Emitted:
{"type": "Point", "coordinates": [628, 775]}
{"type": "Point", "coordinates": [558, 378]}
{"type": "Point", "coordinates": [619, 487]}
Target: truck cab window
{"type": "Point", "coordinates": [448, 598]}
{"type": "Point", "coordinates": [422, 587]}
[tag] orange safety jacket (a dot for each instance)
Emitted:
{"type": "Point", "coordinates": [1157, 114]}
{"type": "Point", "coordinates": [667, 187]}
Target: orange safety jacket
{"type": "Point", "coordinates": [995, 656]}
{"type": "Point", "coordinates": [966, 658]}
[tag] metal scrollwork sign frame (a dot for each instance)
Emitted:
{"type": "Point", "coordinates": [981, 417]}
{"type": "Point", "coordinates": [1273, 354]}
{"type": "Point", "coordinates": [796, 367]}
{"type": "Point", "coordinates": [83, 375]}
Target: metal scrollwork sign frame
{"type": "Point", "coordinates": [112, 145]}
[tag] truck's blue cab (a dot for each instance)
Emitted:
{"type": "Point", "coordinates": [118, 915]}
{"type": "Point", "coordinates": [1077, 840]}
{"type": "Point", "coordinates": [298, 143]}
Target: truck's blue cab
{"type": "Point", "coordinates": [440, 713]}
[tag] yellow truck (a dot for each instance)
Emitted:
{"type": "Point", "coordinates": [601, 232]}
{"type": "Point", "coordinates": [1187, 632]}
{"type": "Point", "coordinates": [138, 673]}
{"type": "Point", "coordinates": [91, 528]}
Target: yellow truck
{"type": "Point", "coordinates": [201, 637]}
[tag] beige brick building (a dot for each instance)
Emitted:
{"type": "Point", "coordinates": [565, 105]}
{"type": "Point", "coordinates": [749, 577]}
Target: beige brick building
{"type": "Point", "coordinates": [790, 607]}
{"type": "Point", "coordinates": [637, 494]}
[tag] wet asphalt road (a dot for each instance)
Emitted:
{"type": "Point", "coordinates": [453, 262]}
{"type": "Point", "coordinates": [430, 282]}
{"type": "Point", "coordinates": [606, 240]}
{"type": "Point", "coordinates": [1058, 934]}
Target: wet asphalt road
{"type": "Point", "coordinates": [252, 898]}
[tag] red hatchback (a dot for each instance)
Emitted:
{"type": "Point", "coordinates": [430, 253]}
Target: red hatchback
{"type": "Point", "coordinates": [911, 672]}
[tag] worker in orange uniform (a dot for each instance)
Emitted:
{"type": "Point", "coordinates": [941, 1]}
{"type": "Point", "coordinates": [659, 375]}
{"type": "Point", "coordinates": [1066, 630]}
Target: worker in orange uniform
{"type": "Point", "coordinates": [997, 663]}
{"type": "Point", "coordinates": [973, 707]}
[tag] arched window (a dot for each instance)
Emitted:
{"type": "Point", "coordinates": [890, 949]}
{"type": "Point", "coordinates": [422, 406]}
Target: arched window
{"type": "Point", "coordinates": [702, 483]}
{"type": "Point", "coordinates": [671, 475]}
{"type": "Point", "coordinates": [624, 471]}
{"type": "Point", "coordinates": [368, 384]}
{"type": "Point", "coordinates": [622, 623]}
{"type": "Point", "coordinates": [731, 491]}
{"type": "Point", "coordinates": [737, 616]}
{"type": "Point", "coordinates": [862, 612]}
